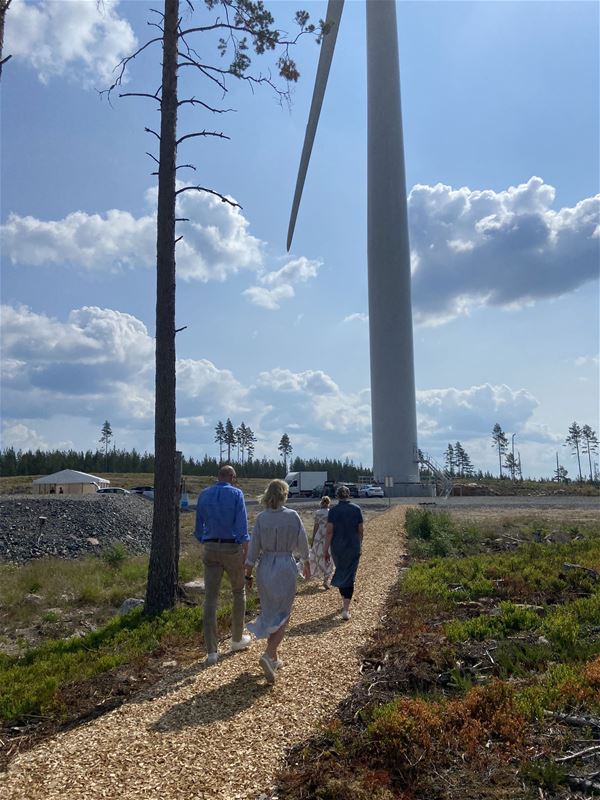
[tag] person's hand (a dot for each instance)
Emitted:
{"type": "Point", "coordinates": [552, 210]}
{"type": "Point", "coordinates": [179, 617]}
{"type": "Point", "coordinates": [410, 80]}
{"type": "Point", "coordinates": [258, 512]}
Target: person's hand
{"type": "Point", "coordinates": [306, 570]}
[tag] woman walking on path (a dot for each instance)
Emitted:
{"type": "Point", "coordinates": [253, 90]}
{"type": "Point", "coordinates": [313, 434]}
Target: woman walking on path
{"type": "Point", "coordinates": [343, 541]}
{"type": "Point", "coordinates": [278, 533]}
{"type": "Point", "coordinates": [319, 566]}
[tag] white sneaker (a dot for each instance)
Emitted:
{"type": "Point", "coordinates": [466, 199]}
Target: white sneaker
{"type": "Point", "coordinates": [268, 667]}
{"type": "Point", "coordinates": [211, 659]}
{"type": "Point", "coordinates": [345, 614]}
{"type": "Point", "coordinates": [241, 645]}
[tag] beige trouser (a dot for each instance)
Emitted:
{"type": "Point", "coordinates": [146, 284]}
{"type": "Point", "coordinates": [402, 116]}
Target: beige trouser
{"type": "Point", "coordinates": [219, 557]}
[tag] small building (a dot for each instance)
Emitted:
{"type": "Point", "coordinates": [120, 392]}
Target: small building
{"type": "Point", "coordinates": [68, 481]}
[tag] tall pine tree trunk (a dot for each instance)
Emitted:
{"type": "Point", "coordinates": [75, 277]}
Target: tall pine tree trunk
{"type": "Point", "coordinates": [579, 462]}
{"type": "Point", "coordinates": [162, 571]}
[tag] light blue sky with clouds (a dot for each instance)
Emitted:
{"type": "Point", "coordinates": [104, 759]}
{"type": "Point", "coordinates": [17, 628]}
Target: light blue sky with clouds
{"type": "Point", "coordinates": [501, 118]}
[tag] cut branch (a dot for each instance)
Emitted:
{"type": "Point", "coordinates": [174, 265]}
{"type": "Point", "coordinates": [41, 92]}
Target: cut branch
{"type": "Point", "coordinates": [154, 158]}
{"type": "Point", "coordinates": [187, 166]}
{"type": "Point", "coordinates": [587, 751]}
{"type": "Point", "coordinates": [574, 719]}
{"type": "Point", "coordinates": [209, 191]}
{"type": "Point", "coordinates": [181, 219]}
{"type": "Point", "coordinates": [149, 130]}
{"type": "Point", "coordinates": [178, 330]}
{"type": "Point", "coordinates": [575, 782]}
{"type": "Point", "coordinates": [594, 574]}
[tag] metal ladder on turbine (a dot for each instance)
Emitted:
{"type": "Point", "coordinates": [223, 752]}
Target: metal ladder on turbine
{"type": "Point", "coordinates": [440, 474]}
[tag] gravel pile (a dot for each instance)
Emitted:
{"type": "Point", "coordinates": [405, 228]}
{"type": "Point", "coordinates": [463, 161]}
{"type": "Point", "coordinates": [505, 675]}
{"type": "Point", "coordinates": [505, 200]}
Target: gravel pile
{"type": "Point", "coordinates": [65, 526]}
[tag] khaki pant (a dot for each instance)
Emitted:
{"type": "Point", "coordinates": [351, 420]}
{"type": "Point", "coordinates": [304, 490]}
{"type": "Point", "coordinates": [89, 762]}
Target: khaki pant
{"type": "Point", "coordinates": [219, 557]}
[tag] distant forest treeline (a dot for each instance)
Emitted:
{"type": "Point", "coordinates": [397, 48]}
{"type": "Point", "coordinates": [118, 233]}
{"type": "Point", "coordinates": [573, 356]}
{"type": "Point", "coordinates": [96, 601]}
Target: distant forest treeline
{"type": "Point", "coordinates": [40, 462]}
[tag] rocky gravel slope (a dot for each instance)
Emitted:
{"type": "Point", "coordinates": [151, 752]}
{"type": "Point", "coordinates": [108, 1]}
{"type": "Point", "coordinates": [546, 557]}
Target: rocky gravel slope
{"type": "Point", "coordinates": [66, 526]}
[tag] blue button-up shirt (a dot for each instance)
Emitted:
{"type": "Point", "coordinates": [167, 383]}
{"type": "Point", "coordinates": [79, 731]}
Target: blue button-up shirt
{"type": "Point", "coordinates": [221, 514]}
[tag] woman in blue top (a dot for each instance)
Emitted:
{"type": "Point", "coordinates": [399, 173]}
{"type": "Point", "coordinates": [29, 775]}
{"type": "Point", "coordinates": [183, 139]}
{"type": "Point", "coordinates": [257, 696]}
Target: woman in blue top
{"type": "Point", "coordinates": [343, 542]}
{"type": "Point", "coordinates": [278, 533]}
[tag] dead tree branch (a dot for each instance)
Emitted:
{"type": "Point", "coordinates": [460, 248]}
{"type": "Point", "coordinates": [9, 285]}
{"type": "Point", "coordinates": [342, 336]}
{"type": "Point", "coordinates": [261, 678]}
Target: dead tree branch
{"type": "Point", "coordinates": [201, 133]}
{"type": "Point", "coordinates": [209, 191]}
{"type": "Point", "coordinates": [4, 5]}
{"type": "Point", "coordinates": [582, 784]}
{"type": "Point", "coordinates": [594, 574]}
{"type": "Point", "coordinates": [193, 102]}
{"type": "Point", "coordinates": [140, 94]}
{"type": "Point", "coordinates": [587, 751]}
{"type": "Point", "coordinates": [573, 719]}
{"type": "Point", "coordinates": [122, 66]}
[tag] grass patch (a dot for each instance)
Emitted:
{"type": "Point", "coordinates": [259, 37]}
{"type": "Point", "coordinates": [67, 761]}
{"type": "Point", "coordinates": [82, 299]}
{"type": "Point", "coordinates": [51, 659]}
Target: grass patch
{"type": "Point", "coordinates": [487, 631]}
{"type": "Point", "coordinates": [91, 588]}
{"type": "Point", "coordinates": [30, 685]}
{"type": "Point", "coordinates": [531, 572]}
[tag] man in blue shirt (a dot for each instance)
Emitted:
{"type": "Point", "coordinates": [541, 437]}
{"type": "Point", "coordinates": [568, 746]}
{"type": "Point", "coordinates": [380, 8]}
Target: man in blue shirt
{"type": "Point", "coordinates": [222, 528]}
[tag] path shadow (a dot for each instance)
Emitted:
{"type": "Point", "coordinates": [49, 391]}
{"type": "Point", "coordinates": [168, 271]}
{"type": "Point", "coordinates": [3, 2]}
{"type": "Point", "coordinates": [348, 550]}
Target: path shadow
{"type": "Point", "coordinates": [177, 680]}
{"type": "Point", "coordinates": [312, 588]}
{"type": "Point", "coordinates": [221, 703]}
{"type": "Point", "coordinates": [314, 626]}
{"type": "Point", "coordinates": [169, 683]}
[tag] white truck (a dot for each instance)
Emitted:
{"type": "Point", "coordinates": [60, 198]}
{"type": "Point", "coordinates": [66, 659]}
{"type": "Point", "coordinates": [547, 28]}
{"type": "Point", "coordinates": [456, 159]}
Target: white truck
{"type": "Point", "coordinates": [302, 484]}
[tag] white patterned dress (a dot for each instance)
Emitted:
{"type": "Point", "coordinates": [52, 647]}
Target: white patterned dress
{"type": "Point", "coordinates": [319, 568]}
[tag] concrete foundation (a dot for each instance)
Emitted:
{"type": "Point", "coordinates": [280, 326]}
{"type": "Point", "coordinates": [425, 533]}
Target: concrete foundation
{"type": "Point", "coordinates": [411, 490]}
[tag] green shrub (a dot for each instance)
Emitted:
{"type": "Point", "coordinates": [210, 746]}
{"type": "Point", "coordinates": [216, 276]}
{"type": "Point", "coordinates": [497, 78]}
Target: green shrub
{"type": "Point", "coordinates": [510, 619]}
{"type": "Point", "coordinates": [115, 555]}
{"type": "Point", "coordinates": [518, 659]}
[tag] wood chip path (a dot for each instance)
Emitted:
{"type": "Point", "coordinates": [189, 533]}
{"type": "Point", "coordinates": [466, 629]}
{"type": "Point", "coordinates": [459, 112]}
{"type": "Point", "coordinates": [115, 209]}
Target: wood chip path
{"type": "Point", "coordinates": [220, 732]}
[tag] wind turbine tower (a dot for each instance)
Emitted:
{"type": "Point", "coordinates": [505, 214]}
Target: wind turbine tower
{"type": "Point", "coordinates": [393, 403]}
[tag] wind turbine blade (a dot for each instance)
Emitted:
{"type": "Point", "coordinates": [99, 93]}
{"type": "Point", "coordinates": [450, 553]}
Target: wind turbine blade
{"type": "Point", "coordinates": [333, 17]}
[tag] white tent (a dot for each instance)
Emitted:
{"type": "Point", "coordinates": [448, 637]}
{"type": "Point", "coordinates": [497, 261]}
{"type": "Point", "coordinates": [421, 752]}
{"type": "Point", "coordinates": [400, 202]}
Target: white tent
{"type": "Point", "coordinates": [68, 481]}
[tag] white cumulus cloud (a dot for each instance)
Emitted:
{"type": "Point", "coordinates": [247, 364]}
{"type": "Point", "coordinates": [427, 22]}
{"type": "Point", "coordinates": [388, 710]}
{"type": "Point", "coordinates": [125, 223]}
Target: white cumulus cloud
{"type": "Point", "coordinates": [81, 39]}
{"type": "Point", "coordinates": [358, 317]}
{"type": "Point", "coordinates": [98, 359]}
{"type": "Point", "coordinates": [507, 248]}
{"type": "Point", "coordinates": [216, 240]}
{"type": "Point", "coordinates": [451, 413]}
{"type": "Point", "coordinates": [66, 377]}
{"type": "Point", "coordinates": [278, 285]}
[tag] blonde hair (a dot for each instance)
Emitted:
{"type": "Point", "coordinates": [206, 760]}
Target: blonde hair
{"type": "Point", "coordinates": [325, 500]}
{"type": "Point", "coordinates": [275, 495]}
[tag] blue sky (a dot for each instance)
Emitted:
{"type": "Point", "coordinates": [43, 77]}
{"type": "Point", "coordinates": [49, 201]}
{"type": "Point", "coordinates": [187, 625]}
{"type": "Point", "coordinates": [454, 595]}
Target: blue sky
{"type": "Point", "coordinates": [501, 118]}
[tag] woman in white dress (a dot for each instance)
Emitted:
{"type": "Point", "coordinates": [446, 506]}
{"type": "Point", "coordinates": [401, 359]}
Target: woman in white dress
{"type": "Point", "coordinates": [278, 533]}
{"type": "Point", "coordinates": [319, 566]}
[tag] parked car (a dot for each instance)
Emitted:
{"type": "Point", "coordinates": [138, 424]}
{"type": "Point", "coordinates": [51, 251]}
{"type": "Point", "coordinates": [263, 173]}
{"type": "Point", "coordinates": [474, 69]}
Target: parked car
{"type": "Point", "coordinates": [141, 489]}
{"type": "Point", "coordinates": [318, 491]}
{"type": "Point", "coordinates": [371, 491]}
{"type": "Point", "coordinates": [113, 490]}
